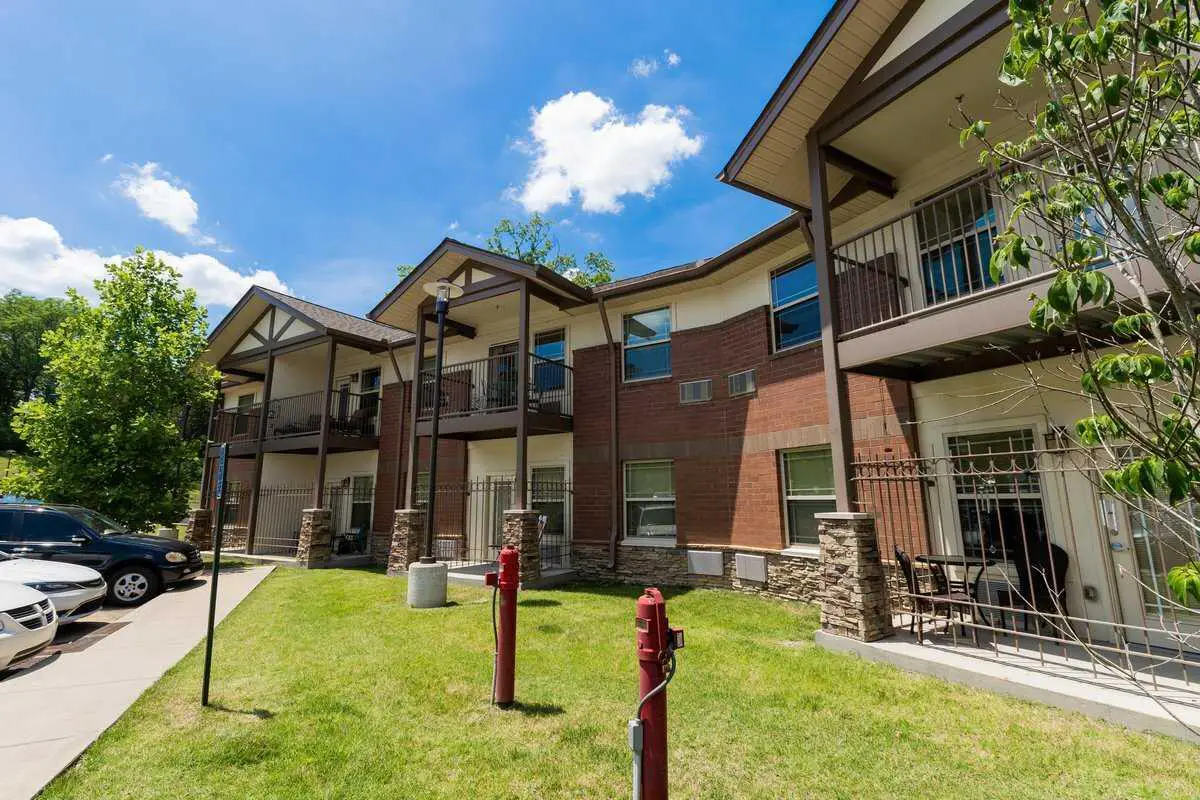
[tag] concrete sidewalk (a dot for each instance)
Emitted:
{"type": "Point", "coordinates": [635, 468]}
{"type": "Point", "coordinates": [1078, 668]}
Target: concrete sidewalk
{"type": "Point", "coordinates": [53, 711]}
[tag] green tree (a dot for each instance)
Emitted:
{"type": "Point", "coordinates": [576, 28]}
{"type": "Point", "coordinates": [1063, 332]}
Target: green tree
{"type": "Point", "coordinates": [1103, 178]}
{"type": "Point", "coordinates": [24, 320]}
{"type": "Point", "coordinates": [125, 369]}
{"type": "Point", "coordinates": [533, 241]}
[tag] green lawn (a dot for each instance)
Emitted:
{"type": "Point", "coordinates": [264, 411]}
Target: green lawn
{"type": "Point", "coordinates": [330, 687]}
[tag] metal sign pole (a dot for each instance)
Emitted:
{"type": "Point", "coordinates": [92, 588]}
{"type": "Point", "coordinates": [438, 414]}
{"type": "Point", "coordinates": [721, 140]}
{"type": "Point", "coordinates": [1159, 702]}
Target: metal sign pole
{"type": "Point", "coordinates": [218, 538]}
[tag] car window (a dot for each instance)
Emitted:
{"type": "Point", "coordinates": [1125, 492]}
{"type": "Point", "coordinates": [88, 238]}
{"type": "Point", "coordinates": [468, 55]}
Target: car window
{"type": "Point", "coordinates": [48, 526]}
{"type": "Point", "coordinates": [96, 521]}
{"type": "Point", "coordinates": [8, 525]}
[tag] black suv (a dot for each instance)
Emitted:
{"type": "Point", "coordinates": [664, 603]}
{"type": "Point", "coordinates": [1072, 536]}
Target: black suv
{"type": "Point", "coordinates": [137, 567]}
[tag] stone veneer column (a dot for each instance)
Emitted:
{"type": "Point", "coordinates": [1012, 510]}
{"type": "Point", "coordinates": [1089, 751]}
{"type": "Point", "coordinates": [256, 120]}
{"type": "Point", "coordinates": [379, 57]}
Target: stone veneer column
{"type": "Point", "coordinates": [408, 525]}
{"type": "Point", "coordinates": [199, 528]}
{"type": "Point", "coordinates": [521, 532]}
{"type": "Point", "coordinates": [853, 586]}
{"type": "Point", "coordinates": [315, 543]}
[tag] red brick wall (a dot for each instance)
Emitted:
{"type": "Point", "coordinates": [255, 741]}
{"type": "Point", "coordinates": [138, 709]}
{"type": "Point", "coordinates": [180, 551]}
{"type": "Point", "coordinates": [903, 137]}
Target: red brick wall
{"type": "Point", "coordinates": [727, 476]}
{"type": "Point", "coordinates": [393, 434]}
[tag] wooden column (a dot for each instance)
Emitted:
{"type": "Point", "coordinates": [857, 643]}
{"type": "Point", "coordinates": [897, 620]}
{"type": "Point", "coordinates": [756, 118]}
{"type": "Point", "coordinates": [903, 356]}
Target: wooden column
{"type": "Point", "coordinates": [520, 487]}
{"type": "Point", "coordinates": [260, 434]}
{"type": "Point", "coordinates": [206, 475]}
{"type": "Point", "coordinates": [397, 483]}
{"type": "Point", "coordinates": [410, 491]}
{"type": "Point", "coordinates": [818, 231]}
{"type": "Point", "coordinates": [323, 448]}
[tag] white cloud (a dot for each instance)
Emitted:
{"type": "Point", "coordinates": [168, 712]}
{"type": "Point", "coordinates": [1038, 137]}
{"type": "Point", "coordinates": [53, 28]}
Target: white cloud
{"type": "Point", "coordinates": [583, 145]}
{"type": "Point", "coordinates": [644, 67]}
{"type": "Point", "coordinates": [673, 58]}
{"type": "Point", "coordinates": [35, 260]}
{"type": "Point", "coordinates": [107, 157]}
{"type": "Point", "coordinates": [159, 196]}
{"type": "Point", "coordinates": [453, 226]}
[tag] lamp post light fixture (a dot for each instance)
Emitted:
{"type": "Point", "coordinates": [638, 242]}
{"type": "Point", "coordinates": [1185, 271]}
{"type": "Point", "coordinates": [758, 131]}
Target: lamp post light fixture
{"type": "Point", "coordinates": [443, 291]}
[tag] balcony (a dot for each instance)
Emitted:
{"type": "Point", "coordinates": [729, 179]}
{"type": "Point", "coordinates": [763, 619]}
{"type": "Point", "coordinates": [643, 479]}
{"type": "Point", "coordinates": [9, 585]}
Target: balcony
{"type": "Point", "coordinates": [293, 424]}
{"type": "Point", "coordinates": [909, 289]}
{"type": "Point", "coordinates": [480, 399]}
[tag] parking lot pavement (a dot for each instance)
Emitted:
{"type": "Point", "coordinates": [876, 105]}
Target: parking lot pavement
{"type": "Point", "coordinates": [55, 706]}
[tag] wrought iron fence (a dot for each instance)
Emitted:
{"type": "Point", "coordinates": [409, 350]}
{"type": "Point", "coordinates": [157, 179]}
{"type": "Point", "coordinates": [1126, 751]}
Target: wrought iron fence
{"type": "Point", "coordinates": [468, 520]}
{"type": "Point", "coordinates": [279, 510]}
{"type": "Point", "coordinates": [1006, 548]}
{"type": "Point", "coordinates": [490, 385]}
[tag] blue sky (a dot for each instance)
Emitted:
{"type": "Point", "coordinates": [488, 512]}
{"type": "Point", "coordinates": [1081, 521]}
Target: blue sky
{"type": "Point", "coordinates": [321, 143]}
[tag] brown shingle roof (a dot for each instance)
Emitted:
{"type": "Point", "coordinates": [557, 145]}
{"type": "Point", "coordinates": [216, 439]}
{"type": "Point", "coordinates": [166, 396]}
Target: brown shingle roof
{"type": "Point", "coordinates": [340, 321]}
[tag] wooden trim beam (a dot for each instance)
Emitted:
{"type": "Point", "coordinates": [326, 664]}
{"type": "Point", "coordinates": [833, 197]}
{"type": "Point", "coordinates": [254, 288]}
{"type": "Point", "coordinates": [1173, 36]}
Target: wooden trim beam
{"type": "Point", "coordinates": [521, 484]}
{"type": "Point", "coordinates": [876, 179]}
{"type": "Point", "coordinates": [264, 417]}
{"type": "Point", "coordinates": [457, 328]}
{"type": "Point", "coordinates": [326, 407]}
{"type": "Point", "coordinates": [410, 490]}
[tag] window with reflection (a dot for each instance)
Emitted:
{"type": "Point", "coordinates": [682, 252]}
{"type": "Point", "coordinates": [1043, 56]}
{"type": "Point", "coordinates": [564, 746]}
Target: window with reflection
{"type": "Point", "coordinates": [647, 340]}
{"type": "Point", "coordinates": [795, 308]}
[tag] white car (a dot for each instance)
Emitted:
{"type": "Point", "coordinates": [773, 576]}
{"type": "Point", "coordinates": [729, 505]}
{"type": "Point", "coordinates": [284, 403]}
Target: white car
{"type": "Point", "coordinates": [27, 622]}
{"type": "Point", "coordinates": [75, 590]}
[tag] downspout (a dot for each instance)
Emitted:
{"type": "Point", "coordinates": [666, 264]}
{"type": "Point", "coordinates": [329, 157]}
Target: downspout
{"type": "Point", "coordinates": [613, 456]}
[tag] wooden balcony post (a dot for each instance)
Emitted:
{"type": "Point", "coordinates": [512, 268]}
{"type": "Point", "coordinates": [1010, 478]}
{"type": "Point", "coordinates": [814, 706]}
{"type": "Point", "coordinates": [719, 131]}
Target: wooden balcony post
{"type": "Point", "coordinates": [326, 413]}
{"type": "Point", "coordinates": [818, 232]}
{"type": "Point", "coordinates": [206, 475]}
{"type": "Point", "coordinates": [260, 433]}
{"type": "Point", "coordinates": [523, 359]}
{"type": "Point", "coordinates": [414, 402]}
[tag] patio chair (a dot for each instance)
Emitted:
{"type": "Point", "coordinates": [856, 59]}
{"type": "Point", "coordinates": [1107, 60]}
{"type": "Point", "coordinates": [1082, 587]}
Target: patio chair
{"type": "Point", "coordinates": [939, 600]}
{"type": "Point", "coordinates": [1043, 583]}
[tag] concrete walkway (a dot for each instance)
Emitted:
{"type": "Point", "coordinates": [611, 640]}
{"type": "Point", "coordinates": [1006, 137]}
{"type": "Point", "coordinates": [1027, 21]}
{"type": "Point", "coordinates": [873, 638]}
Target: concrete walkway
{"type": "Point", "coordinates": [55, 709]}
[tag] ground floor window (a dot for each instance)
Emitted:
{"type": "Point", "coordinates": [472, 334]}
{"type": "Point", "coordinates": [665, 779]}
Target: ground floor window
{"type": "Point", "coordinates": [549, 498]}
{"type": "Point", "coordinates": [650, 500]}
{"type": "Point", "coordinates": [362, 502]}
{"type": "Point", "coordinates": [807, 490]}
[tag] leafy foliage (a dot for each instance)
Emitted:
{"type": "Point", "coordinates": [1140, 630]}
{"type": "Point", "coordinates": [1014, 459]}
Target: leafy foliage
{"type": "Point", "coordinates": [533, 242]}
{"type": "Point", "coordinates": [125, 370]}
{"type": "Point", "coordinates": [1105, 194]}
{"type": "Point", "coordinates": [24, 320]}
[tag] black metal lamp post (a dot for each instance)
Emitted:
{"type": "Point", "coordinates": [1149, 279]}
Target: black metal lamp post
{"type": "Point", "coordinates": [443, 290]}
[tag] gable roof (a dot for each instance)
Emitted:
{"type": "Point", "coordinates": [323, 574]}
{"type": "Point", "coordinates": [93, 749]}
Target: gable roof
{"type": "Point", "coordinates": [355, 331]}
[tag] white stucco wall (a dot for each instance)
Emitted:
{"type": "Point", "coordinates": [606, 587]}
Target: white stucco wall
{"type": "Point", "coordinates": [995, 401]}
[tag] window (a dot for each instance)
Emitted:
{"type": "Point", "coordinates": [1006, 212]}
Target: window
{"type": "Point", "coordinates": [548, 491]}
{"type": "Point", "coordinates": [742, 383]}
{"type": "Point", "coordinates": [233, 502]}
{"type": "Point", "coordinates": [647, 340]}
{"type": "Point", "coordinates": [795, 307]}
{"type": "Point", "coordinates": [550, 348]}
{"type": "Point", "coordinates": [998, 492]}
{"type": "Point", "coordinates": [48, 526]}
{"type": "Point", "coordinates": [362, 502]}
{"type": "Point", "coordinates": [954, 237]}
{"type": "Point", "coordinates": [807, 490]}
{"type": "Point", "coordinates": [8, 525]}
{"type": "Point", "coordinates": [369, 382]}
{"type": "Point", "coordinates": [695, 391]}
{"type": "Point", "coordinates": [650, 500]}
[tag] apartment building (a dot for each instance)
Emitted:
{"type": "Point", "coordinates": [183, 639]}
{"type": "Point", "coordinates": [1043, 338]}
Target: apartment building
{"type": "Point", "coordinates": [683, 426]}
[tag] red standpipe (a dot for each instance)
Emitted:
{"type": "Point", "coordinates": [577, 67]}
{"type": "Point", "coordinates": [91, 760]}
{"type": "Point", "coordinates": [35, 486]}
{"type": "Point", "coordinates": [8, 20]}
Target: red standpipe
{"type": "Point", "coordinates": [653, 651]}
{"type": "Point", "coordinates": [507, 581]}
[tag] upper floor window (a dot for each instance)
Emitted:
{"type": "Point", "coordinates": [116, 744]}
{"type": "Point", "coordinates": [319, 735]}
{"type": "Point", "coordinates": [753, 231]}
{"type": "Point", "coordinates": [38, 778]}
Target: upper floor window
{"type": "Point", "coordinates": [795, 308]}
{"type": "Point", "coordinates": [550, 347]}
{"type": "Point", "coordinates": [954, 237]}
{"type": "Point", "coordinates": [647, 339]}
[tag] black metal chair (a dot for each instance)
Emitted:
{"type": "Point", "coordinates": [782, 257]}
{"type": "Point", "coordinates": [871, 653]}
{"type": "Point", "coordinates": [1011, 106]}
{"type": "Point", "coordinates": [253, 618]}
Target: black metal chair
{"type": "Point", "coordinates": [939, 600]}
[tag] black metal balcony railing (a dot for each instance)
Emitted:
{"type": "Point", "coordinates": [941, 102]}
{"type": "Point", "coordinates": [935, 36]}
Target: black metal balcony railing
{"type": "Point", "coordinates": [489, 385]}
{"type": "Point", "coordinates": [350, 414]}
{"type": "Point", "coordinates": [937, 252]}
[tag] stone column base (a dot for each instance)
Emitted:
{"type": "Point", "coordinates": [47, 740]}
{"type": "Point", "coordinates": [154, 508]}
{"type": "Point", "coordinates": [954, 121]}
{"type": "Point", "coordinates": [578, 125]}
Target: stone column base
{"type": "Point", "coordinates": [408, 525]}
{"type": "Point", "coordinates": [199, 528]}
{"type": "Point", "coordinates": [313, 549]}
{"type": "Point", "coordinates": [854, 600]}
{"type": "Point", "coordinates": [521, 532]}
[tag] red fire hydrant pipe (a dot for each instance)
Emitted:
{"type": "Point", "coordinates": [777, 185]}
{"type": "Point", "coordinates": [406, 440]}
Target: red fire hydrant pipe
{"type": "Point", "coordinates": [654, 652]}
{"type": "Point", "coordinates": [507, 582]}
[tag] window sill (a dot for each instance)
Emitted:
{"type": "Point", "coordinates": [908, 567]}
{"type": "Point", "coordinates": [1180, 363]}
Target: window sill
{"type": "Point", "coordinates": [802, 551]}
{"type": "Point", "coordinates": [648, 542]}
{"type": "Point", "coordinates": [796, 348]}
{"type": "Point", "coordinates": [643, 381]}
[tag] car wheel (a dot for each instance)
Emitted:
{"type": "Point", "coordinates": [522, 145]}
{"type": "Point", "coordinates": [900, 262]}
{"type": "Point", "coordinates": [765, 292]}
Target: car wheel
{"type": "Point", "coordinates": [132, 586]}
